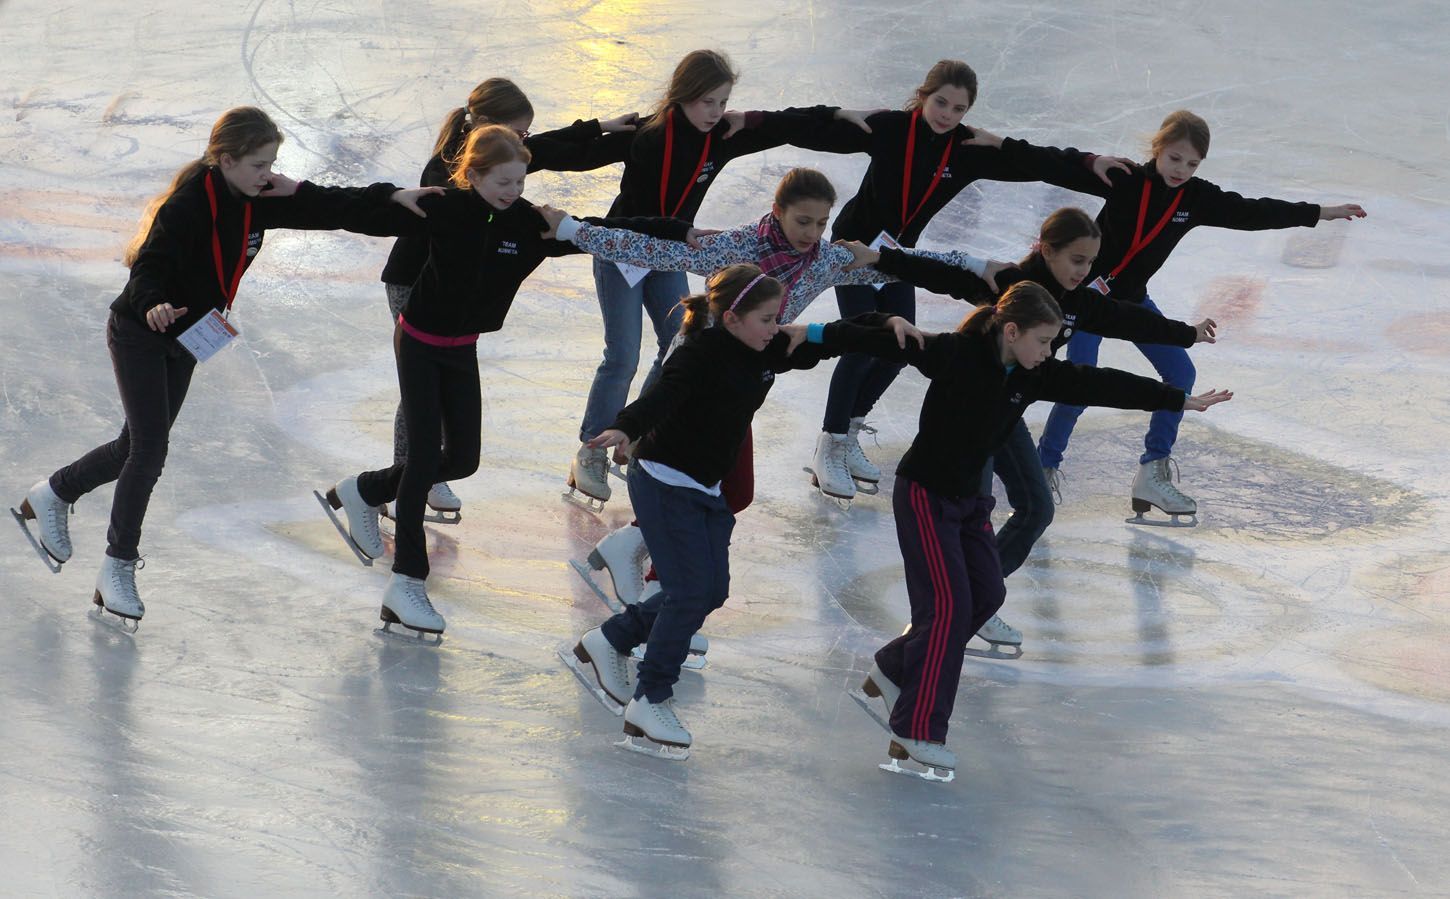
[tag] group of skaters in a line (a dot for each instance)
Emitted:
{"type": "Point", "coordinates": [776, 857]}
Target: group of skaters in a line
{"type": "Point", "coordinates": [467, 239]}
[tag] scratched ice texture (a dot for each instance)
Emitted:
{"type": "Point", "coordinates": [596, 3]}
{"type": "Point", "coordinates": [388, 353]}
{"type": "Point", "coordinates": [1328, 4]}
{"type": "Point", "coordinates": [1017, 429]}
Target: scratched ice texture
{"type": "Point", "coordinates": [1259, 706]}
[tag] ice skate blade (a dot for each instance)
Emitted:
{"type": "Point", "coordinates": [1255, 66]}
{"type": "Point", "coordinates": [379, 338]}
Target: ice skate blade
{"type": "Point", "coordinates": [1007, 651]}
{"type": "Point", "coordinates": [566, 655]}
{"type": "Point", "coordinates": [432, 516]}
{"type": "Point", "coordinates": [584, 501]}
{"type": "Point", "coordinates": [408, 636]}
{"type": "Point", "coordinates": [45, 557]}
{"type": "Point", "coordinates": [869, 708]}
{"type": "Point", "coordinates": [1174, 522]}
{"type": "Point", "coordinates": [657, 750]}
{"type": "Point", "coordinates": [611, 602]}
{"type": "Point", "coordinates": [692, 662]}
{"type": "Point", "coordinates": [927, 773]}
{"type": "Point", "coordinates": [337, 523]}
{"type": "Point", "coordinates": [844, 502]}
{"type": "Point", "coordinates": [618, 471]}
{"type": "Point", "coordinates": [870, 488]}
{"type": "Point", "coordinates": [102, 615]}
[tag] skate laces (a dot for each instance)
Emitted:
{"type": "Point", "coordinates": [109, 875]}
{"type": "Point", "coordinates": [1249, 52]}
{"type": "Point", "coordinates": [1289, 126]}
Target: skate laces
{"type": "Point", "coordinates": [596, 462]}
{"type": "Point", "coordinates": [1167, 478]}
{"type": "Point", "coordinates": [417, 594]}
{"type": "Point", "coordinates": [1054, 483]}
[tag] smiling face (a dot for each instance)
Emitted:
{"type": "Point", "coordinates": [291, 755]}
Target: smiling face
{"type": "Point", "coordinates": [250, 173]}
{"type": "Point", "coordinates": [705, 111]}
{"type": "Point", "coordinates": [804, 222]}
{"type": "Point", "coordinates": [501, 185]}
{"type": "Point", "coordinates": [1028, 347]}
{"type": "Point", "coordinates": [1072, 263]}
{"type": "Point", "coordinates": [944, 108]}
{"type": "Point", "coordinates": [1177, 162]}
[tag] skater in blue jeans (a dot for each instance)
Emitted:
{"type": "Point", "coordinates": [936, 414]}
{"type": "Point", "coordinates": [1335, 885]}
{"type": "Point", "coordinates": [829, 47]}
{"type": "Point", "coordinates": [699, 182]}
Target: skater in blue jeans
{"type": "Point", "coordinates": [1148, 211]}
{"type": "Point", "coordinates": [690, 425]}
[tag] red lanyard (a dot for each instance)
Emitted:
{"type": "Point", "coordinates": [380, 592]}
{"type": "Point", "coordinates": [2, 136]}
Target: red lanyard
{"type": "Point", "coordinates": [669, 157]}
{"type": "Point", "coordinates": [906, 172]}
{"type": "Point", "coordinates": [216, 245]}
{"type": "Point", "coordinates": [1139, 241]}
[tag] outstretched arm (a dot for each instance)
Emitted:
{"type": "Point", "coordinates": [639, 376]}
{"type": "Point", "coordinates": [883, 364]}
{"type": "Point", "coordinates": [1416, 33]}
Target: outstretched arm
{"type": "Point", "coordinates": [615, 245]}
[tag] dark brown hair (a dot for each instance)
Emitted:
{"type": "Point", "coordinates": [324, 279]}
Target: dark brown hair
{"type": "Point", "coordinates": [721, 292]}
{"type": "Point", "coordinates": [493, 102]}
{"type": "Point", "coordinates": [804, 184]}
{"type": "Point", "coordinates": [952, 72]}
{"type": "Point", "coordinates": [1026, 304]}
{"type": "Point", "coordinates": [1062, 228]}
{"type": "Point", "coordinates": [239, 131]}
{"type": "Point", "coordinates": [700, 72]}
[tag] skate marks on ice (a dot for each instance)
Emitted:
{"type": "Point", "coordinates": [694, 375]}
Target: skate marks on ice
{"type": "Point", "coordinates": [1243, 486]}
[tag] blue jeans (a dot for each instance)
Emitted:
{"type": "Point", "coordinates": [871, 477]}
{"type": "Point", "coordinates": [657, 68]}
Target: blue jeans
{"type": "Point", "coordinates": [688, 536]}
{"type": "Point", "coordinates": [1173, 366]}
{"type": "Point", "coordinates": [659, 294]}
{"type": "Point", "coordinates": [859, 380]}
{"type": "Point", "coordinates": [1017, 466]}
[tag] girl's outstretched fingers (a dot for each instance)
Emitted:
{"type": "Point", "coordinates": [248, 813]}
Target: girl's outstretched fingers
{"type": "Point", "coordinates": [609, 437]}
{"type": "Point", "coordinates": [1202, 401]}
{"type": "Point", "coordinates": [857, 117]}
{"type": "Point", "coordinates": [694, 235]}
{"type": "Point", "coordinates": [904, 331]}
{"type": "Point", "coordinates": [279, 185]}
{"type": "Point", "coordinates": [862, 255]}
{"type": "Point", "coordinates": [1345, 211]}
{"type": "Point", "coordinates": [408, 199]}
{"type": "Point", "coordinates": [797, 335]}
{"type": "Point", "coordinates": [1207, 331]}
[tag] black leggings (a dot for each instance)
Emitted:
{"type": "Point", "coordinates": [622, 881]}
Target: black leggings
{"type": "Point", "coordinates": [153, 372]}
{"type": "Point", "coordinates": [441, 395]}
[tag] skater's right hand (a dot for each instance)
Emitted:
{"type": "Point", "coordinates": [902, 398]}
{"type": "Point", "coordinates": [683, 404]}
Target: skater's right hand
{"type": "Point", "coordinates": [159, 317]}
{"type": "Point", "coordinates": [1207, 331]}
{"type": "Point", "coordinates": [695, 237]}
{"type": "Point", "coordinates": [408, 199]}
{"type": "Point", "coordinates": [904, 331]}
{"type": "Point", "coordinates": [981, 137]}
{"type": "Point", "coordinates": [627, 122]}
{"type": "Point", "coordinates": [1204, 400]}
{"type": "Point", "coordinates": [989, 274]}
{"type": "Point", "coordinates": [609, 437]}
{"type": "Point", "coordinates": [862, 255]}
{"type": "Point", "coordinates": [552, 218]}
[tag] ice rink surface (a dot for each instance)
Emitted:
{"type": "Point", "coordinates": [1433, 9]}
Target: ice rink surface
{"type": "Point", "coordinates": [1259, 706]}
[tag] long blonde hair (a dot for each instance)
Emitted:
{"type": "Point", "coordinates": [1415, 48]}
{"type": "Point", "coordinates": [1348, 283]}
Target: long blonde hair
{"type": "Point", "coordinates": [239, 131]}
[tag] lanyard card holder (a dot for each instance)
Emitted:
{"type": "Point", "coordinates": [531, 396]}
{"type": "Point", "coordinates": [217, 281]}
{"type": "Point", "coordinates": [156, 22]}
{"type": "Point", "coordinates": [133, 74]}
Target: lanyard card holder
{"type": "Point", "coordinates": [208, 336]}
{"type": "Point", "coordinates": [883, 240]}
{"type": "Point", "coordinates": [633, 274]}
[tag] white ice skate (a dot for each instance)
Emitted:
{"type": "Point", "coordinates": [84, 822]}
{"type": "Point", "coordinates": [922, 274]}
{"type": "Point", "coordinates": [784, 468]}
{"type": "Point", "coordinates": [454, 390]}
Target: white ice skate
{"type": "Point", "coordinates": [623, 554]}
{"type": "Point", "coordinates": [828, 470]}
{"type": "Point", "coordinates": [863, 471]}
{"type": "Point", "coordinates": [51, 516]}
{"type": "Point", "coordinates": [699, 644]}
{"type": "Point", "coordinates": [442, 506]}
{"type": "Point", "coordinates": [116, 591]}
{"type": "Point", "coordinates": [589, 479]}
{"type": "Point", "coordinates": [877, 686]}
{"type": "Point", "coordinates": [596, 664]}
{"type": "Point", "coordinates": [938, 763]}
{"type": "Point", "coordinates": [656, 724]}
{"type": "Point", "coordinates": [362, 534]}
{"type": "Point", "coordinates": [999, 634]}
{"type": "Point", "coordinates": [1153, 487]}
{"type": "Point", "coordinates": [406, 602]}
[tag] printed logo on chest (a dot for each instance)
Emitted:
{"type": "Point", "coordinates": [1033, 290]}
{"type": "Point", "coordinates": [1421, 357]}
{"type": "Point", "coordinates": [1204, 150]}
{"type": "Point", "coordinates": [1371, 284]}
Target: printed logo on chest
{"type": "Point", "coordinates": [1180, 217]}
{"type": "Point", "coordinates": [254, 242]}
{"type": "Point", "coordinates": [509, 247]}
{"type": "Point", "coordinates": [706, 171]}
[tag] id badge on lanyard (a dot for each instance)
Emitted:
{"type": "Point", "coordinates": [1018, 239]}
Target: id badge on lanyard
{"type": "Point", "coordinates": [213, 332]}
{"type": "Point", "coordinates": [884, 239]}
